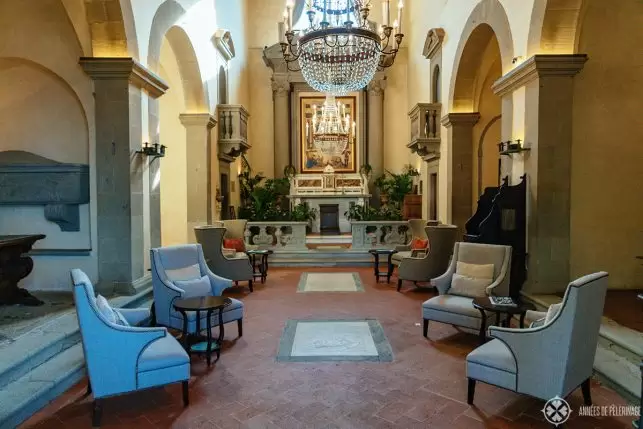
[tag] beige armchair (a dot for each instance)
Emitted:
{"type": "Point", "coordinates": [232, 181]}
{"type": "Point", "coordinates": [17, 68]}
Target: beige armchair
{"type": "Point", "coordinates": [236, 268]}
{"type": "Point", "coordinates": [417, 231]}
{"type": "Point", "coordinates": [424, 266]}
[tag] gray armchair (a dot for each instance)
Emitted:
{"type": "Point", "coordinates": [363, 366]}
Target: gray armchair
{"type": "Point", "coordinates": [425, 266]}
{"type": "Point", "coordinates": [237, 268]}
{"type": "Point", "coordinates": [458, 310]}
{"type": "Point", "coordinates": [550, 360]}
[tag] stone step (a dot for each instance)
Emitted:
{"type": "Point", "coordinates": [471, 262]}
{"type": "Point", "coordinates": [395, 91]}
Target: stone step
{"type": "Point", "coordinates": [34, 390]}
{"type": "Point", "coordinates": [619, 373]}
{"type": "Point", "coordinates": [45, 362]}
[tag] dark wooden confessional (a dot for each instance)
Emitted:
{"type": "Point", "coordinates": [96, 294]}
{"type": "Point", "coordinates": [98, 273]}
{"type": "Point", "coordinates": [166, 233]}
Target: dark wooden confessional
{"type": "Point", "coordinates": [501, 218]}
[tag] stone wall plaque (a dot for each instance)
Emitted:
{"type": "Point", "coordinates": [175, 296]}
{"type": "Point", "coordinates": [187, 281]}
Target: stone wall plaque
{"type": "Point", "coordinates": [27, 179]}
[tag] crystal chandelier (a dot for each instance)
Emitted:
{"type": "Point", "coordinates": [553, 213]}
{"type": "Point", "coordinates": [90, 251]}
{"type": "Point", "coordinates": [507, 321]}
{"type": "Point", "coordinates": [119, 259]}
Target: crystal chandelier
{"type": "Point", "coordinates": [331, 128]}
{"type": "Point", "coordinates": [335, 54]}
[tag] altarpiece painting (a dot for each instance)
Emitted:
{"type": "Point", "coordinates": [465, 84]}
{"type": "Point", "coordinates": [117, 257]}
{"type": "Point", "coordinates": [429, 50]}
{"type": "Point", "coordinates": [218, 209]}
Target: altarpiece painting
{"type": "Point", "coordinates": [312, 159]}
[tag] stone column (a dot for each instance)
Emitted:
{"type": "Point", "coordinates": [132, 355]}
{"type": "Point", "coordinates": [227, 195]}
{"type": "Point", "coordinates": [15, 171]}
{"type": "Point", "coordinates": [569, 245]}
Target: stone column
{"type": "Point", "coordinates": [375, 140]}
{"type": "Point", "coordinates": [198, 127]}
{"type": "Point", "coordinates": [281, 102]}
{"type": "Point", "coordinates": [460, 143]}
{"type": "Point", "coordinates": [548, 82]}
{"type": "Point", "coordinates": [118, 85]}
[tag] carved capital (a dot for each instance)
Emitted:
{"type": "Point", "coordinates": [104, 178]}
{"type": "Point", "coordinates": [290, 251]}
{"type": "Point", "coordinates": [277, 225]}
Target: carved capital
{"type": "Point", "coordinates": [536, 67]}
{"type": "Point", "coordinates": [460, 119]}
{"type": "Point", "coordinates": [197, 120]}
{"type": "Point", "coordinates": [433, 42]}
{"type": "Point", "coordinates": [124, 68]}
{"type": "Point", "coordinates": [225, 45]}
{"type": "Point", "coordinates": [377, 86]}
{"type": "Point", "coordinates": [280, 85]}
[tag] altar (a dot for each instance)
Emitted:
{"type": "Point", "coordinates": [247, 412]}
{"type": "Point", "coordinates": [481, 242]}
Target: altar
{"type": "Point", "coordinates": [331, 195]}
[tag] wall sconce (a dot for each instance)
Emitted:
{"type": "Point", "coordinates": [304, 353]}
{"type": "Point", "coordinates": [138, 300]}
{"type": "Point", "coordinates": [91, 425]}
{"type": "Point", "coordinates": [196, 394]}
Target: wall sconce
{"type": "Point", "coordinates": [154, 150]}
{"type": "Point", "coordinates": [511, 146]}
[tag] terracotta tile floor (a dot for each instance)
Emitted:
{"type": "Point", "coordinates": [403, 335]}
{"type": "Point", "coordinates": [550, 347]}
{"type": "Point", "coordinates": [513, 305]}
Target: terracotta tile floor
{"type": "Point", "coordinates": [424, 387]}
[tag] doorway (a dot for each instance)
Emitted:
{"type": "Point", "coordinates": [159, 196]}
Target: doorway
{"type": "Point", "coordinates": [433, 196]}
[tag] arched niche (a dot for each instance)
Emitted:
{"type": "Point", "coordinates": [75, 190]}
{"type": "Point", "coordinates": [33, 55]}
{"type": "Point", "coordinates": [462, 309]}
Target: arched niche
{"type": "Point", "coordinates": [436, 85]}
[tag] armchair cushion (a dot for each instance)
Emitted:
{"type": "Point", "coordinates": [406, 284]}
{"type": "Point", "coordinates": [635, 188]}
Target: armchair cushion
{"type": "Point", "coordinates": [552, 312]}
{"type": "Point", "coordinates": [458, 305]}
{"type": "Point", "coordinates": [234, 243]}
{"type": "Point", "coordinates": [401, 255]}
{"type": "Point", "coordinates": [479, 271]}
{"type": "Point", "coordinates": [419, 243]}
{"type": "Point", "coordinates": [113, 316]}
{"type": "Point", "coordinates": [493, 363]}
{"type": "Point", "coordinates": [471, 280]}
{"type": "Point", "coordinates": [195, 287]}
{"type": "Point", "coordinates": [190, 272]}
{"type": "Point", "coordinates": [163, 353]}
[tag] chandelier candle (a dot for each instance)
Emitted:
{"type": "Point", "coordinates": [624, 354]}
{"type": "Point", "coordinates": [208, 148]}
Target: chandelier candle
{"type": "Point", "coordinates": [400, 6]}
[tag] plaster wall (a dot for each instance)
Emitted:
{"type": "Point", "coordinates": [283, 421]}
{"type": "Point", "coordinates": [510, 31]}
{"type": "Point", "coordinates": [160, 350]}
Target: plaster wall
{"type": "Point", "coordinates": [173, 167]}
{"type": "Point", "coordinates": [606, 208]}
{"type": "Point", "coordinates": [46, 107]}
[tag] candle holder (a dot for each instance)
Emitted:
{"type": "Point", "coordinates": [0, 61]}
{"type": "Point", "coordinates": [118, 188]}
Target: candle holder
{"type": "Point", "coordinates": [154, 150]}
{"type": "Point", "coordinates": [511, 146]}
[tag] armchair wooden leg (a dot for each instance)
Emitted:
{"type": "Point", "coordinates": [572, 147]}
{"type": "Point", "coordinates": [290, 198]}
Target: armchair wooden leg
{"type": "Point", "coordinates": [186, 393]}
{"type": "Point", "coordinates": [97, 412]}
{"type": "Point", "coordinates": [399, 284]}
{"type": "Point", "coordinates": [240, 327]}
{"type": "Point", "coordinates": [250, 286]}
{"type": "Point", "coordinates": [587, 397]}
{"type": "Point", "coordinates": [425, 328]}
{"type": "Point", "coordinates": [471, 390]}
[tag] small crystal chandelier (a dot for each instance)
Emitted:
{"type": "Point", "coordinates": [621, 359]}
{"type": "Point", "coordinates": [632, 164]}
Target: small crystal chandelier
{"type": "Point", "coordinates": [337, 55]}
{"type": "Point", "coordinates": [331, 128]}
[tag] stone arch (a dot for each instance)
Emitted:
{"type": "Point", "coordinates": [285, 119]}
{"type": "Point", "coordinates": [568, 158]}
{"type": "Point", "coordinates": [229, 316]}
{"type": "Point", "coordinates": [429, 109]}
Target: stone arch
{"type": "Point", "coordinates": [487, 18]}
{"type": "Point", "coordinates": [164, 26]}
{"type": "Point", "coordinates": [554, 27]}
{"type": "Point", "coordinates": [111, 24]}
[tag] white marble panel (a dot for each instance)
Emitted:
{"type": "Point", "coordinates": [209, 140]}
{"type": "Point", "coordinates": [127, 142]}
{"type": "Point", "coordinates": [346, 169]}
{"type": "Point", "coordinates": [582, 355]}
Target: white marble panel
{"type": "Point", "coordinates": [333, 339]}
{"type": "Point", "coordinates": [330, 282]}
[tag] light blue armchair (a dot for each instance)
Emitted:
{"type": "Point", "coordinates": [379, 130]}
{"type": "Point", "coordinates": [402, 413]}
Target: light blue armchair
{"type": "Point", "coordinates": [173, 265]}
{"type": "Point", "coordinates": [122, 359]}
{"type": "Point", "coordinates": [552, 359]}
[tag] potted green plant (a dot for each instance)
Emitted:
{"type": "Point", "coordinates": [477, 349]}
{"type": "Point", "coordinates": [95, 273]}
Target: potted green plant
{"type": "Point", "coordinates": [382, 184]}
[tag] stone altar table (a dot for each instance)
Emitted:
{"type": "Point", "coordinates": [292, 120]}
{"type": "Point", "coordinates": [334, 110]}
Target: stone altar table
{"type": "Point", "coordinates": [329, 188]}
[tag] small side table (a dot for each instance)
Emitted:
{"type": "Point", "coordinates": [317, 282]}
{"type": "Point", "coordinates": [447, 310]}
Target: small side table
{"type": "Point", "coordinates": [376, 266]}
{"type": "Point", "coordinates": [259, 269]}
{"type": "Point", "coordinates": [484, 304]}
{"type": "Point", "coordinates": [202, 344]}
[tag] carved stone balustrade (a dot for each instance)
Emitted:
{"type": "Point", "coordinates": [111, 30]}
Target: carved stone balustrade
{"type": "Point", "coordinates": [379, 234]}
{"type": "Point", "coordinates": [276, 235]}
{"type": "Point", "coordinates": [233, 131]}
{"type": "Point", "coordinates": [425, 130]}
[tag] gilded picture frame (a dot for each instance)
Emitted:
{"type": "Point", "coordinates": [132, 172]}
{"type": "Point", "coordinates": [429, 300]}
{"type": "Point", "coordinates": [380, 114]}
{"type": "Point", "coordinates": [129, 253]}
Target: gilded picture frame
{"type": "Point", "coordinates": [311, 160]}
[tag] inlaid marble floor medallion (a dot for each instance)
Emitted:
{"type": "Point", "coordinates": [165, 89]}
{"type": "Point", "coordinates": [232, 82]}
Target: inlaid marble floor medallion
{"type": "Point", "coordinates": [334, 340]}
{"type": "Point", "coordinates": [330, 282]}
